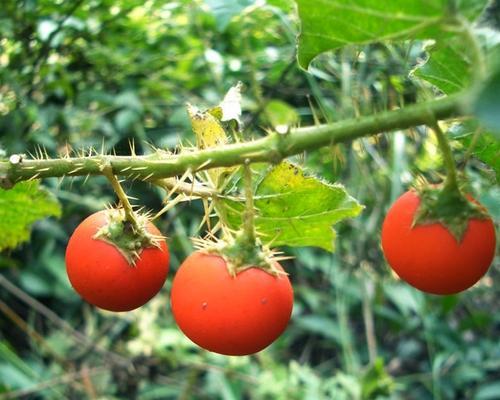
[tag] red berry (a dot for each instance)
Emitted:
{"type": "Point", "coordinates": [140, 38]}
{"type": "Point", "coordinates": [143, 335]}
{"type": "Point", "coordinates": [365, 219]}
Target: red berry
{"type": "Point", "coordinates": [428, 256]}
{"type": "Point", "coordinates": [229, 315]}
{"type": "Point", "coordinates": [101, 274]}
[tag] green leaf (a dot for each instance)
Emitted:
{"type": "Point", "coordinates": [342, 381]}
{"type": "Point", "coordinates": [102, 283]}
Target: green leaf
{"type": "Point", "coordinates": [487, 104]}
{"type": "Point", "coordinates": [281, 115]}
{"type": "Point", "coordinates": [285, 5]}
{"type": "Point", "coordinates": [376, 382]}
{"type": "Point", "coordinates": [13, 378]}
{"type": "Point", "coordinates": [447, 67]}
{"type": "Point", "coordinates": [20, 207]}
{"type": "Point", "coordinates": [13, 360]}
{"type": "Point", "coordinates": [320, 325]}
{"type": "Point", "coordinates": [129, 100]}
{"type": "Point", "coordinates": [488, 391]}
{"type": "Point", "coordinates": [125, 118]}
{"type": "Point", "coordinates": [224, 10]}
{"type": "Point", "coordinates": [486, 147]}
{"type": "Point", "coordinates": [405, 298]}
{"type": "Point", "coordinates": [294, 209]}
{"type": "Point", "coordinates": [331, 24]}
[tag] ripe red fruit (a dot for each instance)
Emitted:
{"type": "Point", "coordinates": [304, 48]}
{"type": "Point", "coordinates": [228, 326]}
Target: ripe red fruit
{"type": "Point", "coordinates": [229, 315]}
{"type": "Point", "coordinates": [428, 256]}
{"type": "Point", "coordinates": [101, 274]}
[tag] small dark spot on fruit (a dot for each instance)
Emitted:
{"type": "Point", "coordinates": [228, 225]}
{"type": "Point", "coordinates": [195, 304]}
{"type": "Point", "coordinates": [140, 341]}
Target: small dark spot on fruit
{"type": "Point", "coordinates": [204, 305]}
{"type": "Point", "coordinates": [263, 300]}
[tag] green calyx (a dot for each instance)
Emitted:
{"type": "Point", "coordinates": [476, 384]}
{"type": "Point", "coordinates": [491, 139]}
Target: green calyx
{"type": "Point", "coordinates": [127, 237]}
{"type": "Point", "coordinates": [449, 206]}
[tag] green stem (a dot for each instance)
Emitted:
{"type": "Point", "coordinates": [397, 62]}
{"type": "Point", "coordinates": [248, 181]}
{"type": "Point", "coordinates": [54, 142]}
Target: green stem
{"type": "Point", "coordinates": [451, 182]}
{"type": "Point", "coordinates": [272, 148]}
{"type": "Point", "coordinates": [249, 214]}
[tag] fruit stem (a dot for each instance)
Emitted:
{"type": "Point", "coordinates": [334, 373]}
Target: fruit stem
{"type": "Point", "coordinates": [107, 170]}
{"type": "Point", "coordinates": [249, 214]}
{"type": "Point", "coordinates": [451, 182]}
{"type": "Point", "coordinates": [244, 250]}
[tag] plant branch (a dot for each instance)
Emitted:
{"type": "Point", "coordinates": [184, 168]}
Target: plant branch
{"type": "Point", "coordinates": [272, 148]}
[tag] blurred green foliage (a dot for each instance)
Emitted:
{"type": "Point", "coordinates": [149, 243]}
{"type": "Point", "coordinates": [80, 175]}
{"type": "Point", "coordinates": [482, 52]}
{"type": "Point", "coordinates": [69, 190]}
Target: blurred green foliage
{"type": "Point", "coordinates": [21, 206]}
{"type": "Point", "coordinates": [101, 74]}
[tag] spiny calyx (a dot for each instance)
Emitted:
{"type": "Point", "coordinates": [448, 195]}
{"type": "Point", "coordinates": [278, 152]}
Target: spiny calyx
{"type": "Point", "coordinates": [127, 237]}
{"type": "Point", "coordinates": [240, 254]}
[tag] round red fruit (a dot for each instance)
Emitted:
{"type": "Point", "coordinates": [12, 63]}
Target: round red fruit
{"type": "Point", "coordinates": [428, 256]}
{"type": "Point", "coordinates": [231, 315]}
{"type": "Point", "coordinates": [101, 274]}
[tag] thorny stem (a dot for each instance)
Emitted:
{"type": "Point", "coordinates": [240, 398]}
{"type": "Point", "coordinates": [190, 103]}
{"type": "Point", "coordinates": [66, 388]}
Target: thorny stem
{"type": "Point", "coordinates": [107, 170]}
{"type": "Point", "coordinates": [272, 148]}
{"type": "Point", "coordinates": [192, 190]}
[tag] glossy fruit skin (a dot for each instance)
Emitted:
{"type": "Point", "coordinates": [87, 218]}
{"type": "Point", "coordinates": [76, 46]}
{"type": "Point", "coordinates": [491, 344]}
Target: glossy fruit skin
{"type": "Point", "coordinates": [103, 277]}
{"type": "Point", "coordinates": [428, 257]}
{"type": "Point", "coordinates": [228, 315]}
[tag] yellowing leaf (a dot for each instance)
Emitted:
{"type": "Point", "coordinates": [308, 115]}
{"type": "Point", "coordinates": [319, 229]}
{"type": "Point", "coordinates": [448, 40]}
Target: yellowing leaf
{"type": "Point", "coordinates": [209, 130]}
{"type": "Point", "coordinates": [209, 133]}
{"type": "Point", "coordinates": [295, 209]}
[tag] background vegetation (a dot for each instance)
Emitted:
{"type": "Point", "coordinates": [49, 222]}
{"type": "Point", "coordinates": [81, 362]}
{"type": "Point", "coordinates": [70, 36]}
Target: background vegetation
{"type": "Point", "coordinates": [103, 74]}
